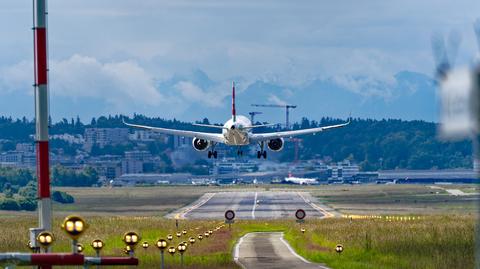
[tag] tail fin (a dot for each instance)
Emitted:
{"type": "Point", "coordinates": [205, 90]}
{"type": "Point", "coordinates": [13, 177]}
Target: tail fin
{"type": "Point", "coordinates": [234, 113]}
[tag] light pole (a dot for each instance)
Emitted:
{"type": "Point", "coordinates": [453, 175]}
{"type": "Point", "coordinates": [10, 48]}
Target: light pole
{"type": "Point", "coordinates": [181, 248]}
{"type": "Point", "coordinates": [162, 245]}
{"type": "Point", "coordinates": [74, 226]}
{"type": "Point", "coordinates": [131, 239]}
{"type": "Point", "coordinates": [97, 245]}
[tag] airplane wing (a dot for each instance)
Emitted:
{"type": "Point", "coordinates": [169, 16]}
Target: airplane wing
{"type": "Point", "coordinates": [214, 137]}
{"type": "Point", "coordinates": [268, 136]}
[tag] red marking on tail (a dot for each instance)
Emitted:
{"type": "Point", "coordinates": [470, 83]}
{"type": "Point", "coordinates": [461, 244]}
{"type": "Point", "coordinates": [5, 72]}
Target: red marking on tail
{"type": "Point", "coordinates": [234, 113]}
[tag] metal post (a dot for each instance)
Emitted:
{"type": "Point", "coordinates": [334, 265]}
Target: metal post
{"type": "Point", "coordinates": [181, 259]}
{"type": "Point", "coordinates": [162, 258]}
{"type": "Point", "coordinates": [42, 114]}
{"type": "Point", "coordinates": [287, 122]}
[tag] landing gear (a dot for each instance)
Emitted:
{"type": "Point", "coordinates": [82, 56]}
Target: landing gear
{"type": "Point", "coordinates": [213, 152]}
{"type": "Point", "coordinates": [240, 152]}
{"type": "Point", "coordinates": [262, 153]}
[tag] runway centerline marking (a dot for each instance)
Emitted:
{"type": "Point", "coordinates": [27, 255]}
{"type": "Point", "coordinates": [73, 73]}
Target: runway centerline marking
{"type": "Point", "coordinates": [254, 205]}
{"type": "Point", "coordinates": [316, 207]}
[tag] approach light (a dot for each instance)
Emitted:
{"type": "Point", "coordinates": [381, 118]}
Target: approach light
{"type": "Point", "coordinates": [74, 226]}
{"type": "Point", "coordinates": [97, 244]}
{"type": "Point", "coordinates": [303, 230]}
{"type": "Point", "coordinates": [131, 238]}
{"type": "Point", "coordinates": [179, 234]}
{"type": "Point", "coordinates": [207, 234]}
{"type": "Point", "coordinates": [339, 248]}
{"type": "Point", "coordinates": [170, 237]}
{"type": "Point", "coordinates": [184, 232]}
{"type": "Point", "coordinates": [181, 248]}
{"type": "Point", "coordinates": [45, 239]}
{"type": "Point", "coordinates": [200, 237]}
{"type": "Point", "coordinates": [161, 244]}
{"type": "Point", "coordinates": [128, 249]}
{"type": "Point", "coordinates": [145, 245]}
{"type": "Point", "coordinates": [210, 232]}
{"type": "Point", "coordinates": [171, 250]}
{"type": "Point", "coordinates": [30, 246]}
{"type": "Point", "coordinates": [191, 240]}
{"type": "Point", "coordinates": [80, 248]}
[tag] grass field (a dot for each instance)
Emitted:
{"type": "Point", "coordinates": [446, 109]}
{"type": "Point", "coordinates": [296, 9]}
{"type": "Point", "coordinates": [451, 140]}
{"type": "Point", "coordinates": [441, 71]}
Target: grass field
{"type": "Point", "coordinates": [431, 242]}
{"type": "Point", "coordinates": [442, 238]}
{"type": "Point", "coordinates": [347, 199]}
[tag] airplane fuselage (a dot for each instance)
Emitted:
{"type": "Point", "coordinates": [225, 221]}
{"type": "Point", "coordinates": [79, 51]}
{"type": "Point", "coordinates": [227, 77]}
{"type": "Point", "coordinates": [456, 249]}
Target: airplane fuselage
{"type": "Point", "coordinates": [235, 132]}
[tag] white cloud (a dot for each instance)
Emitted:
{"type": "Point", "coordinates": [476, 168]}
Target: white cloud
{"type": "Point", "coordinates": [211, 97]}
{"type": "Point", "coordinates": [118, 83]}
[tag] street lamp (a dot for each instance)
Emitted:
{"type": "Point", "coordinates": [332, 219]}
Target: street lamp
{"type": "Point", "coordinates": [181, 248]}
{"type": "Point", "coordinates": [339, 248]}
{"type": "Point", "coordinates": [162, 245]}
{"type": "Point", "coordinates": [74, 226]}
{"type": "Point", "coordinates": [45, 239]}
{"type": "Point", "coordinates": [131, 239]}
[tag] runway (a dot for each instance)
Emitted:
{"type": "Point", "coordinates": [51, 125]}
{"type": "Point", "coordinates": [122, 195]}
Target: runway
{"type": "Point", "coordinates": [269, 250]}
{"type": "Point", "coordinates": [252, 205]}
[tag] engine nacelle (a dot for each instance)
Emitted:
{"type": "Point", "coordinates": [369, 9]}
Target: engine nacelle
{"type": "Point", "coordinates": [275, 144]}
{"type": "Point", "coordinates": [200, 144]}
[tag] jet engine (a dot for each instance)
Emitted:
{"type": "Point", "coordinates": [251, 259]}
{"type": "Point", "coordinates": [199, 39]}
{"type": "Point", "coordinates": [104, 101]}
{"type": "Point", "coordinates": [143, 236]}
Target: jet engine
{"type": "Point", "coordinates": [200, 144]}
{"type": "Point", "coordinates": [275, 144]}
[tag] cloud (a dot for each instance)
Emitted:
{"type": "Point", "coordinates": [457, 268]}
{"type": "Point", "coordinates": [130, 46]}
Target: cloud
{"type": "Point", "coordinates": [118, 83]}
{"type": "Point", "coordinates": [210, 97]}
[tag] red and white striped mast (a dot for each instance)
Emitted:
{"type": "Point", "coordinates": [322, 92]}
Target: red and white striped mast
{"type": "Point", "coordinates": [41, 113]}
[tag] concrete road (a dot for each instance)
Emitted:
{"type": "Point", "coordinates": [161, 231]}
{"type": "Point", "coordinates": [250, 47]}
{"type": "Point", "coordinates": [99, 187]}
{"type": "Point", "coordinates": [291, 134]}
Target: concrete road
{"type": "Point", "coordinates": [252, 205]}
{"type": "Point", "coordinates": [269, 250]}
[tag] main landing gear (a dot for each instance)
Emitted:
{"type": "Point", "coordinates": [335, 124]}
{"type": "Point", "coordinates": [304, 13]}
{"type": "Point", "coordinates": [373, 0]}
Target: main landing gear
{"type": "Point", "coordinates": [262, 153]}
{"type": "Point", "coordinates": [212, 153]}
{"type": "Point", "coordinates": [239, 152]}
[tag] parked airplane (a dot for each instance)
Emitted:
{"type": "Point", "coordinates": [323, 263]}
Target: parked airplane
{"type": "Point", "coordinates": [237, 131]}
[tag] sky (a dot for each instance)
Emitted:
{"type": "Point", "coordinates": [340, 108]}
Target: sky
{"type": "Point", "coordinates": [117, 56]}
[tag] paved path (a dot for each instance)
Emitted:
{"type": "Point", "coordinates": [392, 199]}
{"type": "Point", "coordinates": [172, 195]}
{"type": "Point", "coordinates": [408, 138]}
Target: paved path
{"type": "Point", "coordinates": [252, 205]}
{"type": "Point", "coordinates": [269, 250]}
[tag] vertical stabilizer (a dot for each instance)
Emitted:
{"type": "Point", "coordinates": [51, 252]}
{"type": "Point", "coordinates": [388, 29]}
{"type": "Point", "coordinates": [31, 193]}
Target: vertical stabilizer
{"type": "Point", "coordinates": [234, 113]}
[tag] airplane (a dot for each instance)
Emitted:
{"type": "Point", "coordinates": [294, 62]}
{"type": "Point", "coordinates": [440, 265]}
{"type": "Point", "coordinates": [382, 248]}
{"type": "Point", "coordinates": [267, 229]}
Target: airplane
{"type": "Point", "coordinates": [300, 181]}
{"type": "Point", "coordinates": [237, 131]}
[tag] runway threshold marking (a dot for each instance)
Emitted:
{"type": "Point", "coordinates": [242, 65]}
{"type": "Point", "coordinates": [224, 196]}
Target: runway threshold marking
{"type": "Point", "coordinates": [316, 207]}
{"type": "Point", "coordinates": [187, 210]}
{"type": "Point", "coordinates": [254, 205]}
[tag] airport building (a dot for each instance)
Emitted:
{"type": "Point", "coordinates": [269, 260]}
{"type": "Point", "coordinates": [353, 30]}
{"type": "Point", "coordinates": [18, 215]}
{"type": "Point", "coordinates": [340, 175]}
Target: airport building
{"type": "Point", "coordinates": [104, 136]}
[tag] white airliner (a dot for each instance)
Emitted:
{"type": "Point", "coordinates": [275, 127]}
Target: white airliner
{"type": "Point", "coordinates": [237, 131]}
{"type": "Point", "coordinates": [300, 181]}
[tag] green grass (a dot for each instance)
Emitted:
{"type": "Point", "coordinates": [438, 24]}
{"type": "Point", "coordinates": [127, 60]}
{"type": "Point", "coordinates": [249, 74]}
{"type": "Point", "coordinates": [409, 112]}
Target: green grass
{"type": "Point", "coordinates": [432, 242]}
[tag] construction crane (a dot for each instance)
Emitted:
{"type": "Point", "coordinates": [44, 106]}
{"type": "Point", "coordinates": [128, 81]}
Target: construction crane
{"type": "Point", "coordinates": [287, 111]}
{"type": "Point", "coordinates": [252, 115]}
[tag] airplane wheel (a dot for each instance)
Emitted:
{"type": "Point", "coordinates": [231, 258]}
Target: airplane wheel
{"type": "Point", "coordinates": [258, 154]}
{"type": "Point", "coordinates": [264, 154]}
{"type": "Point", "coordinates": [209, 154]}
{"type": "Point", "coordinates": [215, 154]}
